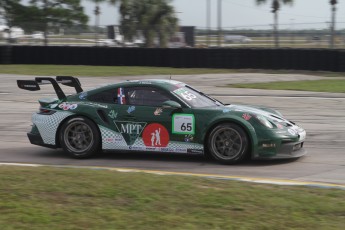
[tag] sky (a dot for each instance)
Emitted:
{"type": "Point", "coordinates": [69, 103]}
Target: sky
{"type": "Point", "coordinates": [313, 14]}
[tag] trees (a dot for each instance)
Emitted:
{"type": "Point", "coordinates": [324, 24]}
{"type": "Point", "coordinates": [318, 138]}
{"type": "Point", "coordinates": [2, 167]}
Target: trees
{"type": "Point", "coordinates": [275, 8]}
{"type": "Point", "coordinates": [11, 11]}
{"type": "Point", "coordinates": [155, 18]}
{"type": "Point", "coordinates": [97, 12]}
{"type": "Point", "coordinates": [56, 13]}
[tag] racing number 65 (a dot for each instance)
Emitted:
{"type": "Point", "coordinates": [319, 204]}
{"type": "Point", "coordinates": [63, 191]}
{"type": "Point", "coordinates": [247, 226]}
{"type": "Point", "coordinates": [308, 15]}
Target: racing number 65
{"type": "Point", "coordinates": [186, 127]}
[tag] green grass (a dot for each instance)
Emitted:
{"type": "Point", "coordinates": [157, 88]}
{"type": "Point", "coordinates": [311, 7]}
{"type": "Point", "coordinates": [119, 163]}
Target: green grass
{"type": "Point", "coordinates": [75, 70]}
{"type": "Point", "coordinates": [331, 85]}
{"type": "Point", "coordinates": [62, 198]}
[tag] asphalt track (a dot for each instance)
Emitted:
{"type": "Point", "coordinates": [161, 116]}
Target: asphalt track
{"type": "Point", "coordinates": [321, 114]}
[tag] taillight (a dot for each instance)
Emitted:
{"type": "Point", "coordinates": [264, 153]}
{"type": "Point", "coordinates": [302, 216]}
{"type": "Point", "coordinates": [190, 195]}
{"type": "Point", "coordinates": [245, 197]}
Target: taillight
{"type": "Point", "coordinates": [45, 111]}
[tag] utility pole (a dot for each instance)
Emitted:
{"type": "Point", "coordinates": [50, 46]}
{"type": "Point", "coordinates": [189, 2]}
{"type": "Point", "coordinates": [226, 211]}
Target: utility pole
{"type": "Point", "coordinates": [219, 22]}
{"type": "Point", "coordinates": [97, 13]}
{"type": "Point", "coordinates": [208, 20]}
{"type": "Point", "coordinates": [292, 31]}
{"type": "Point", "coordinates": [333, 3]}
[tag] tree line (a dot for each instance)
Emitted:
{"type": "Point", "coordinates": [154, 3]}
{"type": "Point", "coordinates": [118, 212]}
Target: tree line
{"type": "Point", "coordinates": [154, 18]}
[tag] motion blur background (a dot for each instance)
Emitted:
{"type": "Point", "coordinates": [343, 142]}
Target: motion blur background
{"type": "Point", "coordinates": [174, 23]}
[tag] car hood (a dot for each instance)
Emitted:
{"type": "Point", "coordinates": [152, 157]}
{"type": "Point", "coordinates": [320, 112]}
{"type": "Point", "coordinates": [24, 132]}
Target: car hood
{"type": "Point", "coordinates": [268, 113]}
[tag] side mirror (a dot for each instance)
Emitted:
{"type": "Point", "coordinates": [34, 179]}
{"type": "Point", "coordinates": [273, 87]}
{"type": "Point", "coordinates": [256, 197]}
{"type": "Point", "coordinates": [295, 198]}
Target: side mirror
{"type": "Point", "coordinates": [171, 104]}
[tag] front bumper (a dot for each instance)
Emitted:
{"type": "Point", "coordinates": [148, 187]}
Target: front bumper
{"type": "Point", "coordinates": [284, 146]}
{"type": "Point", "coordinates": [283, 151]}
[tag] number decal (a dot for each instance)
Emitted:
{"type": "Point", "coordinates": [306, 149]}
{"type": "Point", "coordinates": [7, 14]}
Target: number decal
{"type": "Point", "coordinates": [188, 96]}
{"type": "Point", "coordinates": [185, 94]}
{"type": "Point", "coordinates": [183, 124]}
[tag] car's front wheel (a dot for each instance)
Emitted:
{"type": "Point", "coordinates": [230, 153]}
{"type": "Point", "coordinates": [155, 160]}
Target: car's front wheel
{"type": "Point", "coordinates": [228, 143]}
{"type": "Point", "coordinates": [79, 137]}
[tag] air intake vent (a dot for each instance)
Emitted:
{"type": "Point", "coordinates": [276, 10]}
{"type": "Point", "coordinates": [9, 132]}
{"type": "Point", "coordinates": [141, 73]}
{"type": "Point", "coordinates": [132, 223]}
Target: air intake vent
{"type": "Point", "coordinates": [103, 116]}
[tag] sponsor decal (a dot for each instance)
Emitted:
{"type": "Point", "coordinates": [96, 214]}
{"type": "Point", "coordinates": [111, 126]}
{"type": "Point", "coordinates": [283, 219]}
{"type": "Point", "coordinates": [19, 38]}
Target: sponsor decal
{"type": "Point", "coordinates": [67, 106]}
{"type": "Point", "coordinates": [185, 94]}
{"type": "Point", "coordinates": [280, 132]}
{"type": "Point", "coordinates": [83, 95]}
{"type": "Point", "coordinates": [155, 135]}
{"type": "Point", "coordinates": [246, 116]}
{"type": "Point", "coordinates": [195, 151]}
{"type": "Point", "coordinates": [150, 148]}
{"type": "Point", "coordinates": [121, 96]}
{"type": "Point", "coordinates": [53, 106]}
{"type": "Point", "coordinates": [158, 111]}
{"type": "Point", "coordinates": [109, 140]}
{"type": "Point", "coordinates": [226, 110]}
{"type": "Point", "coordinates": [112, 114]}
{"type": "Point", "coordinates": [145, 82]}
{"type": "Point", "coordinates": [188, 138]}
{"type": "Point", "coordinates": [112, 139]}
{"type": "Point", "coordinates": [29, 86]}
{"type": "Point", "coordinates": [180, 150]}
{"type": "Point", "coordinates": [98, 105]}
{"type": "Point", "coordinates": [130, 130]}
{"type": "Point", "coordinates": [183, 123]}
{"type": "Point", "coordinates": [141, 148]}
{"type": "Point", "coordinates": [280, 126]}
{"type": "Point", "coordinates": [167, 149]}
{"type": "Point", "coordinates": [130, 109]}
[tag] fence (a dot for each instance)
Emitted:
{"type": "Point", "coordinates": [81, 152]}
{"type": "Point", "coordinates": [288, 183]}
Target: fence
{"type": "Point", "coordinates": [235, 58]}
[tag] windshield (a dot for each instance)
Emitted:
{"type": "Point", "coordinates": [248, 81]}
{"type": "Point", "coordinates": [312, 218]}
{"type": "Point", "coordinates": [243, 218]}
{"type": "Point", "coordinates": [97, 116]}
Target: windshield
{"type": "Point", "coordinates": [195, 98]}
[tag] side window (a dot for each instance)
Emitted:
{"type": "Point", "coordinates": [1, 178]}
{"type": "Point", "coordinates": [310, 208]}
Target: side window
{"type": "Point", "coordinates": [107, 96]}
{"type": "Point", "coordinates": [146, 96]}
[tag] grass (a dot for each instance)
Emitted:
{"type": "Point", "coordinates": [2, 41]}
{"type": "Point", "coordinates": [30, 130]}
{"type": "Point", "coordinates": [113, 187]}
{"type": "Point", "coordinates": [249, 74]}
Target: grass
{"type": "Point", "coordinates": [75, 70]}
{"type": "Point", "coordinates": [61, 198]}
{"type": "Point", "coordinates": [330, 85]}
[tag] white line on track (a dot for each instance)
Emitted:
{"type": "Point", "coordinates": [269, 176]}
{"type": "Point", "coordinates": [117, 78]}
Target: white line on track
{"type": "Point", "coordinates": [221, 177]}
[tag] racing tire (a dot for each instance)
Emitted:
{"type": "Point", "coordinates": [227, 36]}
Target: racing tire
{"type": "Point", "coordinates": [228, 143]}
{"type": "Point", "coordinates": [80, 137]}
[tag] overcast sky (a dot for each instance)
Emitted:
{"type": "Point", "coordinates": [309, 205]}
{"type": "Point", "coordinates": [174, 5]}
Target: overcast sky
{"type": "Point", "coordinates": [239, 13]}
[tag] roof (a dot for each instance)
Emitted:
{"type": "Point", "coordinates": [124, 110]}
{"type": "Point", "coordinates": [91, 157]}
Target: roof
{"type": "Point", "coordinates": [161, 83]}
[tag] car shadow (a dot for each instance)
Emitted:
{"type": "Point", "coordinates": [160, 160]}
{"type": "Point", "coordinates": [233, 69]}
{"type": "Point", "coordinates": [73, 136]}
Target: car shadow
{"type": "Point", "coordinates": [52, 156]}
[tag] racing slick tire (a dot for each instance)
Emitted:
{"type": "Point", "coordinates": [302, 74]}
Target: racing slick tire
{"type": "Point", "coordinates": [80, 137]}
{"type": "Point", "coordinates": [228, 143]}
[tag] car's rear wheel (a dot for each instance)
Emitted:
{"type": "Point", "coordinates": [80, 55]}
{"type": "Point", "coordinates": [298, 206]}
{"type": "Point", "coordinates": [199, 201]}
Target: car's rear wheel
{"type": "Point", "coordinates": [80, 138]}
{"type": "Point", "coordinates": [228, 143]}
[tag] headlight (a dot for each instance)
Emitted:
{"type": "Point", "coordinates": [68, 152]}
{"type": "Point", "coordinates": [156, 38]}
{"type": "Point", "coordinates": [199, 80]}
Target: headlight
{"type": "Point", "coordinates": [264, 121]}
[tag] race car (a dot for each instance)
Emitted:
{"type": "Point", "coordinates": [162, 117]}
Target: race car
{"type": "Point", "coordinates": [158, 116]}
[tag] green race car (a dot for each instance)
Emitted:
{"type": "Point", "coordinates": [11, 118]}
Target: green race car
{"type": "Point", "coordinates": [158, 116]}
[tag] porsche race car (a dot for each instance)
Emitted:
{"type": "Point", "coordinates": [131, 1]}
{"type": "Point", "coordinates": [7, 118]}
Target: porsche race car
{"type": "Point", "coordinates": [158, 116]}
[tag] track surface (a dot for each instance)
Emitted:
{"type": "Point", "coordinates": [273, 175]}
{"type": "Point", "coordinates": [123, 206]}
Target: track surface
{"type": "Point", "coordinates": [321, 114]}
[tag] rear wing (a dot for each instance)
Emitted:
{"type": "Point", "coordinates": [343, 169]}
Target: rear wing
{"type": "Point", "coordinates": [34, 85]}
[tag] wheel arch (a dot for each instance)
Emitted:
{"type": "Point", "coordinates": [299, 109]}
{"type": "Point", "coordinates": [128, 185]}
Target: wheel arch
{"type": "Point", "coordinates": [57, 139]}
{"type": "Point", "coordinates": [246, 126]}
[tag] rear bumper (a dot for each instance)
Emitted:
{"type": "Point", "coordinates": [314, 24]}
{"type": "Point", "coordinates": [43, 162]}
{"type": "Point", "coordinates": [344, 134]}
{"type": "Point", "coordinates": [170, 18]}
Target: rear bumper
{"type": "Point", "coordinates": [36, 139]}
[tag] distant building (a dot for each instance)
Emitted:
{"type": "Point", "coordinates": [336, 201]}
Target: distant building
{"type": "Point", "coordinates": [11, 33]}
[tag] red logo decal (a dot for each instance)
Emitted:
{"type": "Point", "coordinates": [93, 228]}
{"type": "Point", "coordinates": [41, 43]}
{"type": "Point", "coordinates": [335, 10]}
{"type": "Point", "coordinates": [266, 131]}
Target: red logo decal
{"type": "Point", "coordinates": [155, 135]}
{"type": "Point", "coordinates": [246, 116]}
